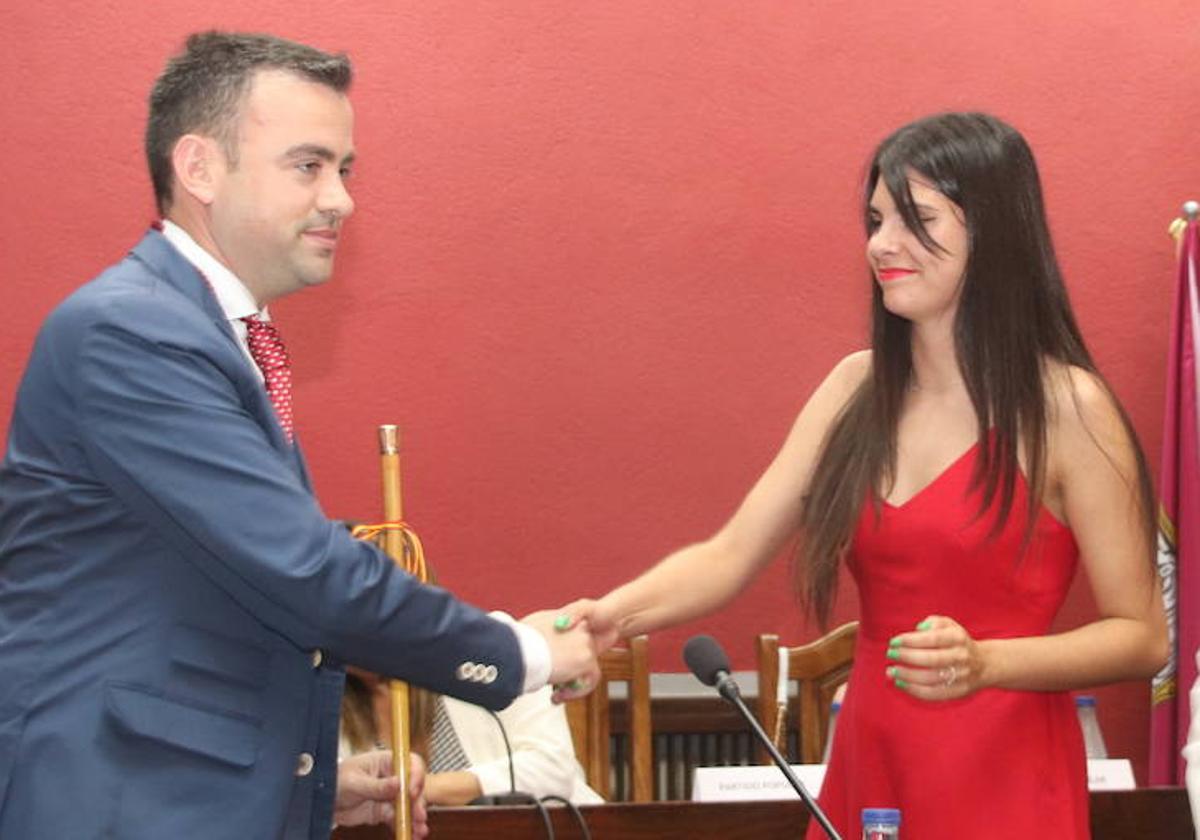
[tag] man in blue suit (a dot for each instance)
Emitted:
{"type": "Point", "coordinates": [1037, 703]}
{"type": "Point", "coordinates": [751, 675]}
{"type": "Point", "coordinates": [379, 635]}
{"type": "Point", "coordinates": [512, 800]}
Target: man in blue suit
{"type": "Point", "coordinates": [175, 608]}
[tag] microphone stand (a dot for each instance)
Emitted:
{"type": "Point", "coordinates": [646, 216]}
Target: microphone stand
{"type": "Point", "coordinates": [729, 690]}
{"type": "Point", "coordinates": [514, 797]}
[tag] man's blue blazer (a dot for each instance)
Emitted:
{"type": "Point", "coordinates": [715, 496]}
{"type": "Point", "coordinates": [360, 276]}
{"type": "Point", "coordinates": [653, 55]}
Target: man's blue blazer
{"type": "Point", "coordinates": [174, 605]}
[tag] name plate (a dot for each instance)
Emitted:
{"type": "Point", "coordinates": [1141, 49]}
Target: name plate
{"type": "Point", "coordinates": [1110, 774]}
{"type": "Point", "coordinates": [760, 781]}
{"type": "Point", "coordinates": [764, 782]}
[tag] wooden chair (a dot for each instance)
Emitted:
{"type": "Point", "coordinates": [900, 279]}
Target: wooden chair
{"type": "Point", "coordinates": [591, 727]}
{"type": "Point", "coordinates": [819, 667]}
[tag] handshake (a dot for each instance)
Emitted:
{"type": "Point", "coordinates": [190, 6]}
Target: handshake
{"type": "Point", "coordinates": [576, 634]}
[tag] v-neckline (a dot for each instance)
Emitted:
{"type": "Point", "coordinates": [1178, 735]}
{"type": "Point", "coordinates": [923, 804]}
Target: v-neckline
{"type": "Point", "coordinates": [949, 468]}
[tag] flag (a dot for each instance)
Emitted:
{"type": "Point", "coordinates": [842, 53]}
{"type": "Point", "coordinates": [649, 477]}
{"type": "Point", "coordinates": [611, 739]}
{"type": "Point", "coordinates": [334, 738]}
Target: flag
{"type": "Point", "coordinates": [1179, 524]}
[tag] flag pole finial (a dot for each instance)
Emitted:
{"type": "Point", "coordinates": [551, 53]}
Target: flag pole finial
{"type": "Point", "coordinates": [1191, 209]}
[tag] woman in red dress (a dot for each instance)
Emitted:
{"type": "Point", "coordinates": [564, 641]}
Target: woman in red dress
{"type": "Point", "coordinates": [960, 467]}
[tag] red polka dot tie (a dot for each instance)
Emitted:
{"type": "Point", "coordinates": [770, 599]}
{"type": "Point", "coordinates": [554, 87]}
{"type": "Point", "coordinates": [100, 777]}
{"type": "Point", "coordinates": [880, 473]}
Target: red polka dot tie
{"type": "Point", "coordinates": [269, 353]}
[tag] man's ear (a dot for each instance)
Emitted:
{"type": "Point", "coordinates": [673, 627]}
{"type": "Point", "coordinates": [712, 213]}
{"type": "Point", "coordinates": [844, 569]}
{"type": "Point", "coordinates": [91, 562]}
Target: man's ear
{"type": "Point", "coordinates": [199, 164]}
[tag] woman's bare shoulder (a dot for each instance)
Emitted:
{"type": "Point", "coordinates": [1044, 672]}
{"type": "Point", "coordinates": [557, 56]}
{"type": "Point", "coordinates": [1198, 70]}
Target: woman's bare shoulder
{"type": "Point", "coordinates": [1084, 417]}
{"type": "Point", "coordinates": [1078, 399]}
{"type": "Point", "coordinates": [832, 395]}
{"type": "Point", "coordinates": [849, 373]}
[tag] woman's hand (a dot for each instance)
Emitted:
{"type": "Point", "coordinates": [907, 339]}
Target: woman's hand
{"type": "Point", "coordinates": [601, 624]}
{"type": "Point", "coordinates": [581, 614]}
{"type": "Point", "coordinates": [937, 661]}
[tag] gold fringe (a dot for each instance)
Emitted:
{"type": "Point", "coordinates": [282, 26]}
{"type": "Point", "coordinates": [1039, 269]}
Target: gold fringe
{"type": "Point", "coordinates": [1176, 229]}
{"type": "Point", "coordinates": [1164, 691]}
{"type": "Point", "coordinates": [1166, 527]}
{"type": "Point", "coordinates": [414, 552]}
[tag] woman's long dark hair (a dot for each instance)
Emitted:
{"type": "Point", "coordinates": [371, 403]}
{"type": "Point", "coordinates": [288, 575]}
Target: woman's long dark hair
{"type": "Point", "coordinates": [1013, 316]}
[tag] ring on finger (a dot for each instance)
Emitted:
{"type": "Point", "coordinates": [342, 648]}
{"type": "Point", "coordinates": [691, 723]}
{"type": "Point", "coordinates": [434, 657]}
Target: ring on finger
{"type": "Point", "coordinates": [948, 675]}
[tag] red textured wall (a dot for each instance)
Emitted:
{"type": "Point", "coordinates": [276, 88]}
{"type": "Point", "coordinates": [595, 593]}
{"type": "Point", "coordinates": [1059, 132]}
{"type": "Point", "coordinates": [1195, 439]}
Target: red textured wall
{"type": "Point", "coordinates": [604, 251]}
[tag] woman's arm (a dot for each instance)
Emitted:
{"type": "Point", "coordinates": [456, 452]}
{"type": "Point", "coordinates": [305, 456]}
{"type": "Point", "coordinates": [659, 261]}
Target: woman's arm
{"type": "Point", "coordinates": [457, 787]}
{"type": "Point", "coordinates": [702, 577]}
{"type": "Point", "coordinates": [1093, 480]}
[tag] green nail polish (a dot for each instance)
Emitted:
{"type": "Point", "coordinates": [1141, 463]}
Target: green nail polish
{"type": "Point", "coordinates": [891, 672]}
{"type": "Point", "coordinates": [901, 684]}
{"type": "Point", "coordinates": [893, 653]}
{"type": "Point", "coordinates": [925, 625]}
{"type": "Point", "coordinates": [894, 641]}
{"type": "Point", "coordinates": [562, 622]}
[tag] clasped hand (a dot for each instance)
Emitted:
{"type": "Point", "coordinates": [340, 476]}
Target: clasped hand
{"type": "Point", "coordinates": [577, 634]}
{"type": "Point", "coordinates": [937, 661]}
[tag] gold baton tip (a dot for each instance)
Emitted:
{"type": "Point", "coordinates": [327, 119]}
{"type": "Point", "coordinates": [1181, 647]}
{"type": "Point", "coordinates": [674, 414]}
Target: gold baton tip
{"type": "Point", "coordinates": [389, 439]}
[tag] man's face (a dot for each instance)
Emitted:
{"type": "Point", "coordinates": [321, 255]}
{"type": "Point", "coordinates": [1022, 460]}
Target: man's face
{"type": "Point", "coordinates": [277, 214]}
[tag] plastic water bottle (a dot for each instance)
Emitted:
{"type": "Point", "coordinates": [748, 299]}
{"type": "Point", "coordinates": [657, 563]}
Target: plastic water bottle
{"type": "Point", "coordinates": [833, 716]}
{"type": "Point", "coordinates": [1093, 739]}
{"type": "Point", "coordinates": [881, 824]}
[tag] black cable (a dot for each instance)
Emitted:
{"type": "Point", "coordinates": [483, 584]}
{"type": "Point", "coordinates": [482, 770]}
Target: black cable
{"type": "Point", "coordinates": [545, 817]}
{"type": "Point", "coordinates": [587, 835]}
{"type": "Point", "coordinates": [515, 796]}
{"type": "Point", "coordinates": [512, 773]}
{"type": "Point", "coordinates": [518, 798]}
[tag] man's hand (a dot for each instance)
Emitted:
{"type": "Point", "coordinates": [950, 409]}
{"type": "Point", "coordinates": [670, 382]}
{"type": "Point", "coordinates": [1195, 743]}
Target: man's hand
{"type": "Point", "coordinates": [366, 791]}
{"type": "Point", "coordinates": [573, 667]}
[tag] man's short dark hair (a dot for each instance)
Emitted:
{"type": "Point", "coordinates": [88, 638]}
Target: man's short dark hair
{"type": "Point", "coordinates": [201, 91]}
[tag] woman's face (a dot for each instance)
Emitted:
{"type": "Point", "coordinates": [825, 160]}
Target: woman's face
{"type": "Point", "coordinates": [918, 284]}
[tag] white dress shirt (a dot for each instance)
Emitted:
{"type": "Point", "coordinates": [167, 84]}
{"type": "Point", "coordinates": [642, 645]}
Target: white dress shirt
{"type": "Point", "coordinates": [543, 754]}
{"type": "Point", "coordinates": [232, 295]}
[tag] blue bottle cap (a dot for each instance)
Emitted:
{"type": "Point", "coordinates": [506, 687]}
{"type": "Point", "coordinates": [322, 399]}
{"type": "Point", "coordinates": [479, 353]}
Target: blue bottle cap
{"type": "Point", "coordinates": [1085, 701]}
{"type": "Point", "coordinates": [836, 706]}
{"type": "Point", "coordinates": [881, 816]}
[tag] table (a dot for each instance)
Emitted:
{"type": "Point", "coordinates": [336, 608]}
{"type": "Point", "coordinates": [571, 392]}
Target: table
{"type": "Point", "coordinates": [1145, 814]}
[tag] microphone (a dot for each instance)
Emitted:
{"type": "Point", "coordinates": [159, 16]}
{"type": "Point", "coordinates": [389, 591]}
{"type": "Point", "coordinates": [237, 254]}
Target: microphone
{"type": "Point", "coordinates": [708, 662]}
{"type": "Point", "coordinates": [513, 797]}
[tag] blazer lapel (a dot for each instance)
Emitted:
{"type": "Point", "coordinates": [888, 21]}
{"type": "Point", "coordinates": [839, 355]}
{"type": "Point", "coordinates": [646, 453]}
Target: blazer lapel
{"type": "Point", "coordinates": [173, 268]}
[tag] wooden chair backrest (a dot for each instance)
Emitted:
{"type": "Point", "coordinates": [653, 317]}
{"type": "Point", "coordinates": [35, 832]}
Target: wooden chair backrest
{"type": "Point", "coordinates": [591, 728]}
{"type": "Point", "coordinates": [818, 667]}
